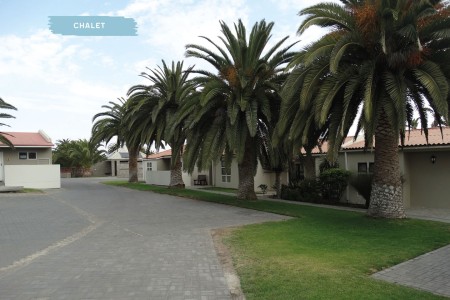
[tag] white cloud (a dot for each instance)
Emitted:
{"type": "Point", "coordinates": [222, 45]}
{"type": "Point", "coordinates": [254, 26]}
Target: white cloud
{"type": "Point", "coordinates": [170, 25]}
{"type": "Point", "coordinates": [44, 76]}
{"type": "Point", "coordinates": [297, 5]}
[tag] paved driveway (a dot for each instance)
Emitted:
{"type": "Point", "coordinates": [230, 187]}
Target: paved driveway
{"type": "Point", "coordinates": [92, 241]}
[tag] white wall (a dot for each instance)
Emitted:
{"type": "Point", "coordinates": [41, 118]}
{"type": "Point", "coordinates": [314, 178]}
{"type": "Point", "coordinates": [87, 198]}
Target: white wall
{"type": "Point", "coordinates": [158, 177]}
{"type": "Point", "coordinates": [33, 176]}
{"type": "Point", "coordinates": [261, 177]}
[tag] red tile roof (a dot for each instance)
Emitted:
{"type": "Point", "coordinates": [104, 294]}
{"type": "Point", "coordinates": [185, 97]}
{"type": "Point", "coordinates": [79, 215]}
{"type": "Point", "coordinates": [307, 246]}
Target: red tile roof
{"type": "Point", "coordinates": [413, 138]}
{"type": "Point", "coordinates": [324, 147]}
{"type": "Point", "coordinates": [166, 153]}
{"type": "Point", "coordinates": [27, 139]}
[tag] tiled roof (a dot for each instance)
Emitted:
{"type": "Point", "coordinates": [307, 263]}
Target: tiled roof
{"type": "Point", "coordinates": [166, 153]}
{"type": "Point", "coordinates": [414, 138]}
{"type": "Point", "coordinates": [324, 147]}
{"type": "Point", "coordinates": [28, 139]}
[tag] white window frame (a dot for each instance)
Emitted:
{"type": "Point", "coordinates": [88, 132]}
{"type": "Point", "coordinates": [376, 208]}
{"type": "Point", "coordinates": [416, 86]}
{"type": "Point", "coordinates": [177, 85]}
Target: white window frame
{"type": "Point", "coordinates": [225, 172]}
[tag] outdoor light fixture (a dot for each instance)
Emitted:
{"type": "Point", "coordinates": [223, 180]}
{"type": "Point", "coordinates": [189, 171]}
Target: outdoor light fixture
{"type": "Point", "coordinates": [433, 158]}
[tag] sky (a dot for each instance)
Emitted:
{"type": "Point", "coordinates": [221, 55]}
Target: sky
{"type": "Point", "coordinates": [58, 83]}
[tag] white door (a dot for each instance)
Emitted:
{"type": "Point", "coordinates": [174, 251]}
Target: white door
{"type": "Point", "coordinates": [1, 167]}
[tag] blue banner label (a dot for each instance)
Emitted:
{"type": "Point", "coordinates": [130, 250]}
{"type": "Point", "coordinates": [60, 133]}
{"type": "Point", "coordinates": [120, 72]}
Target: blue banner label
{"type": "Point", "coordinates": [93, 25]}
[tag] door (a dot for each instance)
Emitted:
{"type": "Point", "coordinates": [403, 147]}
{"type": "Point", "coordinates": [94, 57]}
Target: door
{"type": "Point", "coordinates": [2, 177]}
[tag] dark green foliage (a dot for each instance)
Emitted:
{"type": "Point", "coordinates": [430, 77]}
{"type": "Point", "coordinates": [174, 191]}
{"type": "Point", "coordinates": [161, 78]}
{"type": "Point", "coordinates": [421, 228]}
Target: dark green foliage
{"type": "Point", "coordinates": [78, 155]}
{"type": "Point", "coordinates": [333, 183]}
{"type": "Point", "coordinates": [307, 190]}
{"type": "Point", "coordinates": [363, 185]}
{"type": "Point", "coordinates": [326, 165]}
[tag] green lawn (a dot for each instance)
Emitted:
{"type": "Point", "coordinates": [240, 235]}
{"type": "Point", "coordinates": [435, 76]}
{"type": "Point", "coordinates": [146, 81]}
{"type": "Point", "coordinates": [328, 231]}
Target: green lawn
{"type": "Point", "coordinates": [220, 189]}
{"type": "Point", "coordinates": [323, 253]}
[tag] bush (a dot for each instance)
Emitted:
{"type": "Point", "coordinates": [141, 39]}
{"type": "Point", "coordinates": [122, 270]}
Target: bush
{"type": "Point", "coordinates": [333, 183]}
{"type": "Point", "coordinates": [263, 188]}
{"type": "Point", "coordinates": [327, 165]}
{"type": "Point", "coordinates": [363, 185]}
{"type": "Point", "coordinates": [305, 191]}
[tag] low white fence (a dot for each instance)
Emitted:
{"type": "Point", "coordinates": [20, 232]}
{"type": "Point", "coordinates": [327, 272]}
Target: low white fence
{"type": "Point", "coordinates": [33, 176]}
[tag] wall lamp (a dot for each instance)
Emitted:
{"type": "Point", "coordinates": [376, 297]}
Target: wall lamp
{"type": "Point", "coordinates": [433, 159]}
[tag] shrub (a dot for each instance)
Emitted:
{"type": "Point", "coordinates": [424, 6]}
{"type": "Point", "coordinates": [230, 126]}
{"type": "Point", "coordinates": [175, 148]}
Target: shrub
{"type": "Point", "coordinates": [333, 183]}
{"type": "Point", "coordinates": [307, 190]}
{"type": "Point", "coordinates": [263, 188]}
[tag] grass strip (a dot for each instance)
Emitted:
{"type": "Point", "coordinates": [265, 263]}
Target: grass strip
{"type": "Point", "coordinates": [267, 206]}
{"type": "Point", "coordinates": [220, 189]}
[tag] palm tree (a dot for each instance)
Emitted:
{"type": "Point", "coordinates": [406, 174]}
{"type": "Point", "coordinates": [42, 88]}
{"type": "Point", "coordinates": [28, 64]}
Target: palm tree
{"type": "Point", "coordinates": [3, 138]}
{"type": "Point", "coordinates": [79, 155]}
{"type": "Point", "coordinates": [84, 154]}
{"type": "Point", "coordinates": [383, 59]}
{"type": "Point", "coordinates": [156, 111]}
{"type": "Point", "coordinates": [113, 123]}
{"type": "Point", "coordinates": [235, 102]}
{"type": "Point", "coordinates": [297, 123]}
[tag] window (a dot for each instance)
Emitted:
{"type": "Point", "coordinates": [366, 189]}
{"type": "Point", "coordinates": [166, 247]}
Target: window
{"type": "Point", "coordinates": [27, 155]}
{"type": "Point", "coordinates": [149, 166]}
{"type": "Point", "coordinates": [226, 172]}
{"type": "Point", "coordinates": [362, 168]}
{"type": "Point", "coordinates": [365, 167]}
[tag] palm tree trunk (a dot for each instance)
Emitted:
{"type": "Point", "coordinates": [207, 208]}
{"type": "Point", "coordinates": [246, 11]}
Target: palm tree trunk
{"type": "Point", "coordinates": [176, 175]}
{"type": "Point", "coordinates": [133, 154]}
{"type": "Point", "coordinates": [386, 198]}
{"type": "Point", "coordinates": [246, 170]}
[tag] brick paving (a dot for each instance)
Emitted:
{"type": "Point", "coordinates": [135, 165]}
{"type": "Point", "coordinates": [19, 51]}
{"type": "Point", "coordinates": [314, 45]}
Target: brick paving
{"type": "Point", "coordinates": [91, 241]}
{"type": "Point", "coordinates": [430, 272]}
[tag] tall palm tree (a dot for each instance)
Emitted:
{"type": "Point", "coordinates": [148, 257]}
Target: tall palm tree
{"type": "Point", "coordinates": [3, 138]}
{"type": "Point", "coordinates": [156, 111]}
{"type": "Point", "coordinates": [113, 123]}
{"type": "Point", "coordinates": [235, 101]}
{"type": "Point", "coordinates": [383, 59]}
